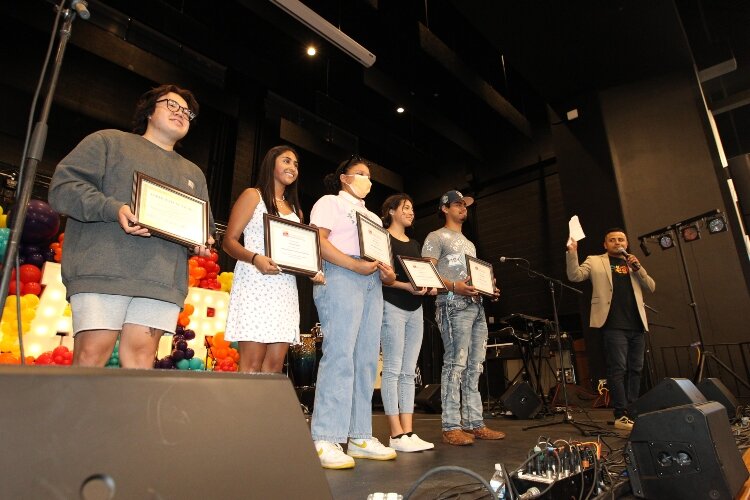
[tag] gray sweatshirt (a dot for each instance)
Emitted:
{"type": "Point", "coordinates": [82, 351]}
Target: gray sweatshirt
{"type": "Point", "coordinates": [90, 185]}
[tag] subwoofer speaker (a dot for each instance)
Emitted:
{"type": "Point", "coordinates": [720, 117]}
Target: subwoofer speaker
{"type": "Point", "coordinates": [429, 398]}
{"type": "Point", "coordinates": [685, 452]}
{"type": "Point", "coordinates": [714, 390]}
{"type": "Point", "coordinates": [115, 434]}
{"type": "Point", "coordinates": [521, 400]}
{"type": "Point", "coordinates": [666, 394]}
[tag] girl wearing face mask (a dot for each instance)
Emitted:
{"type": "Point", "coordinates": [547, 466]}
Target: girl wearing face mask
{"type": "Point", "coordinates": [401, 332]}
{"type": "Point", "coordinates": [350, 307]}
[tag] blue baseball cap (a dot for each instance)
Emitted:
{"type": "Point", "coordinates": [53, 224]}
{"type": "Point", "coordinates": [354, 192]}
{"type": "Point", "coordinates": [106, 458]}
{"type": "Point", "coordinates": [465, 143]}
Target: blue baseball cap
{"type": "Point", "coordinates": [453, 196]}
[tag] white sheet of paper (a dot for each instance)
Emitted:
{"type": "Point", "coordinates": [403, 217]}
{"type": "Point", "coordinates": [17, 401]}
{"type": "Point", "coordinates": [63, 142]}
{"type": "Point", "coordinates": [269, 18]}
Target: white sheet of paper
{"type": "Point", "coordinates": [575, 230]}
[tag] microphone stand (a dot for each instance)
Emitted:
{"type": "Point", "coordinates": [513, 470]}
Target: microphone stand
{"type": "Point", "coordinates": [567, 417]}
{"type": "Point", "coordinates": [33, 158]}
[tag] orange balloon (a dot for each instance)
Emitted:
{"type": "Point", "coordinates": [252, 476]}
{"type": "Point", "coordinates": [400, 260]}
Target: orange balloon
{"type": "Point", "coordinates": [189, 309]}
{"type": "Point", "coordinates": [220, 352]}
{"type": "Point", "coordinates": [183, 320]}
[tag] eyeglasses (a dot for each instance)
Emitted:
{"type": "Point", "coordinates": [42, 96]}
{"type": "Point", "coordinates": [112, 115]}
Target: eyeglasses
{"type": "Point", "coordinates": [175, 107]}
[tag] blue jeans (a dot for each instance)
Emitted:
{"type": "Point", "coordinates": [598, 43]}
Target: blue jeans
{"type": "Point", "coordinates": [624, 352]}
{"type": "Point", "coordinates": [350, 308]}
{"type": "Point", "coordinates": [464, 332]}
{"type": "Point", "coordinates": [401, 339]}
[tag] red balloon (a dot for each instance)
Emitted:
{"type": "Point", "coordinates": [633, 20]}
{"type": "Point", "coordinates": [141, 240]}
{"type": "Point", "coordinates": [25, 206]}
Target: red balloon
{"type": "Point", "coordinates": [31, 288]}
{"type": "Point", "coordinates": [214, 256]}
{"type": "Point", "coordinates": [12, 287]}
{"type": "Point", "coordinates": [29, 273]}
{"type": "Point", "coordinates": [59, 350]}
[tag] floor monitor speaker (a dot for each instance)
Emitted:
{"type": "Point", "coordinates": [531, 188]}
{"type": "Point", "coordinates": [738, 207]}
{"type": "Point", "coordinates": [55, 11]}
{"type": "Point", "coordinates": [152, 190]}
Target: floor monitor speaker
{"type": "Point", "coordinates": [685, 452]}
{"type": "Point", "coordinates": [429, 398]}
{"type": "Point", "coordinates": [116, 433]}
{"type": "Point", "coordinates": [521, 400]}
{"type": "Point", "coordinates": [714, 390]}
{"type": "Point", "coordinates": [666, 394]}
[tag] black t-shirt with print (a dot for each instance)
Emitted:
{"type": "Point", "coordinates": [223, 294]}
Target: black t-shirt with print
{"type": "Point", "coordinates": [397, 297]}
{"type": "Point", "coordinates": [623, 311]}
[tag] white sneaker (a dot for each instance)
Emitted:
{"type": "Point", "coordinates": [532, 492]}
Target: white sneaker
{"type": "Point", "coordinates": [332, 456]}
{"type": "Point", "coordinates": [404, 443]}
{"type": "Point", "coordinates": [421, 443]}
{"type": "Point", "coordinates": [369, 448]}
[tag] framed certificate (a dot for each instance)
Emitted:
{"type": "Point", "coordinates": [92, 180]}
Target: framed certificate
{"type": "Point", "coordinates": [421, 273]}
{"type": "Point", "coordinates": [294, 247]}
{"type": "Point", "coordinates": [374, 241]}
{"type": "Point", "coordinates": [168, 212]}
{"type": "Point", "coordinates": [481, 274]}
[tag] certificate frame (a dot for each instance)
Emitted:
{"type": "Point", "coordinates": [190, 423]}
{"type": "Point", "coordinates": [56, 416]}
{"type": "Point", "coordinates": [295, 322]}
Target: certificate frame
{"type": "Point", "coordinates": [482, 275]}
{"type": "Point", "coordinates": [169, 212]}
{"type": "Point", "coordinates": [374, 241]}
{"type": "Point", "coordinates": [285, 253]}
{"type": "Point", "coordinates": [424, 268]}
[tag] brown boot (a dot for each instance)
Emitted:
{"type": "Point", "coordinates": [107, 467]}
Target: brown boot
{"type": "Point", "coordinates": [486, 433]}
{"type": "Point", "coordinates": [457, 437]}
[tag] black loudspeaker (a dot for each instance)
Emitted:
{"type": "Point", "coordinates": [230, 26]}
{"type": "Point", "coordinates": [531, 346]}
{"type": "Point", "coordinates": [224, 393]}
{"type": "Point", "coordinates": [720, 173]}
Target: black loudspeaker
{"type": "Point", "coordinates": [714, 390]}
{"type": "Point", "coordinates": [685, 452]}
{"type": "Point", "coordinates": [116, 433]}
{"type": "Point", "coordinates": [666, 394]}
{"type": "Point", "coordinates": [521, 400]}
{"type": "Point", "coordinates": [429, 398]}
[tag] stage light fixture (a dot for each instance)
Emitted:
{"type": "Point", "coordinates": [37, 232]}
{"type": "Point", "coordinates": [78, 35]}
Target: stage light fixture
{"type": "Point", "coordinates": [716, 224]}
{"type": "Point", "coordinates": [690, 233]}
{"type": "Point", "coordinates": [644, 248]}
{"type": "Point", "coordinates": [666, 241]}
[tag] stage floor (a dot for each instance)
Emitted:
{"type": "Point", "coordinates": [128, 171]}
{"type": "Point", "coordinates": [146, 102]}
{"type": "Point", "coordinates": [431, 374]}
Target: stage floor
{"type": "Point", "coordinates": [369, 476]}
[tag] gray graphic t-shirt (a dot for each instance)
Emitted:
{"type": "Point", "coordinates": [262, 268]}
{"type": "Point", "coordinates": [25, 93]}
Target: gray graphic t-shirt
{"type": "Point", "coordinates": [450, 249]}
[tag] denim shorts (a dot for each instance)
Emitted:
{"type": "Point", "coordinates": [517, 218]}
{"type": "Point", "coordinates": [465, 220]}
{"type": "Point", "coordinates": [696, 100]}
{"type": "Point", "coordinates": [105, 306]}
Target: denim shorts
{"type": "Point", "coordinates": [100, 311]}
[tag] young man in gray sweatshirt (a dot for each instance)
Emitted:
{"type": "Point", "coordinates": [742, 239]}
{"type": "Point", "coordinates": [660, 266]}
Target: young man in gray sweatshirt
{"type": "Point", "coordinates": [121, 280]}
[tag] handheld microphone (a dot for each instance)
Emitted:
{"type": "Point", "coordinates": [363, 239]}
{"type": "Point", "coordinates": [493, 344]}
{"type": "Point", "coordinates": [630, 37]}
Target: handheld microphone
{"type": "Point", "coordinates": [505, 259]}
{"type": "Point", "coordinates": [81, 8]}
{"type": "Point", "coordinates": [530, 493]}
{"type": "Point", "coordinates": [636, 266]}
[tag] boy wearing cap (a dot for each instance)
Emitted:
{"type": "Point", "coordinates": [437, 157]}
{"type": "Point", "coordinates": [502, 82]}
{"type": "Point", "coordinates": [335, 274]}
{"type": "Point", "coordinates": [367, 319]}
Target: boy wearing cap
{"type": "Point", "coordinates": [463, 328]}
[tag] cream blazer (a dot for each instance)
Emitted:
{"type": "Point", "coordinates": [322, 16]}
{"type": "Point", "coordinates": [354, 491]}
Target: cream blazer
{"type": "Point", "coordinates": [597, 269]}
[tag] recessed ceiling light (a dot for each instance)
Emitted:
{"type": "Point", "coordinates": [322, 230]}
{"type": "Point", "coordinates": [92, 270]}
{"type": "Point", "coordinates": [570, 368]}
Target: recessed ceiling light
{"type": "Point", "coordinates": [400, 109]}
{"type": "Point", "coordinates": [311, 51]}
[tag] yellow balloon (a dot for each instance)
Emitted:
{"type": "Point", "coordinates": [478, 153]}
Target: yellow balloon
{"type": "Point", "coordinates": [10, 302]}
{"type": "Point", "coordinates": [29, 300]}
{"type": "Point", "coordinates": [3, 221]}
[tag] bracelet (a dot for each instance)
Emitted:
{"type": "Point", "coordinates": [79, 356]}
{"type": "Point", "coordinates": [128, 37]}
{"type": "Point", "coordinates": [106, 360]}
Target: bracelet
{"type": "Point", "coordinates": [253, 259]}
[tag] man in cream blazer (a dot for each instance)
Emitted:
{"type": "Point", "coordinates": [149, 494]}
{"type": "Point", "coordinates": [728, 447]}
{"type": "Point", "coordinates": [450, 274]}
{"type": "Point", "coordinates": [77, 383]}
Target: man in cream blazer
{"type": "Point", "coordinates": [617, 309]}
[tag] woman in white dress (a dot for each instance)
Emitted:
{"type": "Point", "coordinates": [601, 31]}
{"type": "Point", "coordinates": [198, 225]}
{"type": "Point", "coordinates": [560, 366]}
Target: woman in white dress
{"type": "Point", "coordinates": [263, 304]}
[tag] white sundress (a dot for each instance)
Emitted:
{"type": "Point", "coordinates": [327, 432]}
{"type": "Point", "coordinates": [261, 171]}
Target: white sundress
{"type": "Point", "coordinates": [262, 308]}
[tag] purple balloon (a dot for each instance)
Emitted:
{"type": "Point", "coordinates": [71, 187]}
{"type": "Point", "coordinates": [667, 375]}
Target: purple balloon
{"type": "Point", "coordinates": [189, 334]}
{"type": "Point", "coordinates": [189, 353]}
{"type": "Point", "coordinates": [29, 249]}
{"type": "Point", "coordinates": [49, 255]}
{"type": "Point", "coordinates": [180, 345]}
{"type": "Point", "coordinates": [35, 258]}
{"type": "Point", "coordinates": [177, 355]}
{"type": "Point", "coordinates": [166, 363]}
{"type": "Point", "coordinates": [179, 330]}
{"type": "Point", "coordinates": [41, 224]}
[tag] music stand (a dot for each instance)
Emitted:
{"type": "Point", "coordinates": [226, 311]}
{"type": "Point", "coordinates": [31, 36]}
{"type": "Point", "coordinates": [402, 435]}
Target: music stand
{"type": "Point", "coordinates": [567, 417]}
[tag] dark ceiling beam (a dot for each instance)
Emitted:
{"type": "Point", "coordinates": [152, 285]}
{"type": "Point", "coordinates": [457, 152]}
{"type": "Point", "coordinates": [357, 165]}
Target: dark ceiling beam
{"type": "Point", "coordinates": [730, 103]}
{"type": "Point", "coordinates": [451, 61]}
{"type": "Point", "coordinates": [389, 88]}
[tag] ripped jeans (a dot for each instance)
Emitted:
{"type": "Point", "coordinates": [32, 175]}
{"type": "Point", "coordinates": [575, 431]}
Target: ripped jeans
{"type": "Point", "coordinates": [464, 331]}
